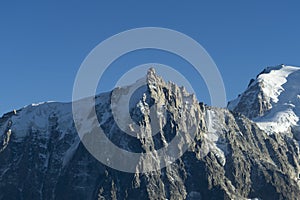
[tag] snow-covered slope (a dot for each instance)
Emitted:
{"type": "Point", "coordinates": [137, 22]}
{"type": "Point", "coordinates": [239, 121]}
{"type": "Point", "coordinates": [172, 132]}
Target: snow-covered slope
{"type": "Point", "coordinates": [229, 157]}
{"type": "Point", "coordinates": [272, 100]}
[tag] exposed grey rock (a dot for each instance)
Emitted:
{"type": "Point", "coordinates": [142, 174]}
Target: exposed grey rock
{"type": "Point", "coordinates": [253, 102]}
{"type": "Point", "coordinates": [229, 158]}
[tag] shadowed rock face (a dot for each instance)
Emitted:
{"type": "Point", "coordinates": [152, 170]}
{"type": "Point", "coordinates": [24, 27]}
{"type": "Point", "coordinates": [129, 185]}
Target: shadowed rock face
{"type": "Point", "coordinates": [253, 102]}
{"type": "Point", "coordinates": [41, 156]}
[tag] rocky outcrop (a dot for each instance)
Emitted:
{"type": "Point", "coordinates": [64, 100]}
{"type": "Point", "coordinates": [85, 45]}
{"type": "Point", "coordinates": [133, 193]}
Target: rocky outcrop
{"type": "Point", "coordinates": [229, 157]}
{"type": "Point", "coordinates": [252, 103]}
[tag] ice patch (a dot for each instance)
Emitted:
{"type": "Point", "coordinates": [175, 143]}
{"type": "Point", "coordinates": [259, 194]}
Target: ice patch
{"type": "Point", "coordinates": [214, 135]}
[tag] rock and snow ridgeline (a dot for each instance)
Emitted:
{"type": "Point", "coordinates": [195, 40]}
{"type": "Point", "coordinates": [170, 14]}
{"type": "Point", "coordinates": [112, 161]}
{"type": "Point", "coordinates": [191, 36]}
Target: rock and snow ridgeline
{"type": "Point", "coordinates": [272, 100]}
{"type": "Point", "coordinates": [41, 156]}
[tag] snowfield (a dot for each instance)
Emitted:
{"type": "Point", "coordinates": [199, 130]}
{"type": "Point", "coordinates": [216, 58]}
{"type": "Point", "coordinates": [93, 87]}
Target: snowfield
{"type": "Point", "coordinates": [280, 88]}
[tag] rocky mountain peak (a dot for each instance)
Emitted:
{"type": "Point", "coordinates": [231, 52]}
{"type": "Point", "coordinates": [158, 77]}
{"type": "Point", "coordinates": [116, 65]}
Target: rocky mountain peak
{"type": "Point", "coordinates": [272, 100]}
{"type": "Point", "coordinates": [217, 154]}
{"type": "Point", "coordinates": [151, 72]}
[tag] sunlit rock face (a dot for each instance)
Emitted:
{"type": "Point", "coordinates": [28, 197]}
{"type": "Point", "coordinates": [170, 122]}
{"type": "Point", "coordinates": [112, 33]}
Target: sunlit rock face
{"type": "Point", "coordinates": [230, 157]}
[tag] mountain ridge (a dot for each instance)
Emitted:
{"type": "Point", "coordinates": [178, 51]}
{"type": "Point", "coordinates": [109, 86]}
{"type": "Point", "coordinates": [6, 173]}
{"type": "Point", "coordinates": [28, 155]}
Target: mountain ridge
{"type": "Point", "coordinates": [230, 157]}
{"type": "Point", "coordinates": [272, 100]}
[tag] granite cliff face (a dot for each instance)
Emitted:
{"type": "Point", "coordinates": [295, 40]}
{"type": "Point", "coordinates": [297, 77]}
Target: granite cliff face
{"type": "Point", "coordinates": [42, 157]}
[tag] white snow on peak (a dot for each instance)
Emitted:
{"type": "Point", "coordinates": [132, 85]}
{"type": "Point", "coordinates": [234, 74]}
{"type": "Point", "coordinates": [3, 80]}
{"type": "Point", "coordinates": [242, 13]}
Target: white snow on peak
{"type": "Point", "coordinates": [280, 86]}
{"type": "Point", "coordinates": [273, 81]}
{"type": "Point", "coordinates": [36, 117]}
{"type": "Point", "coordinates": [40, 103]}
{"type": "Point", "coordinates": [41, 119]}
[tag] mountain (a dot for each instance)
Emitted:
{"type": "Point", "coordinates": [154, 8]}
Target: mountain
{"type": "Point", "coordinates": [230, 156]}
{"type": "Point", "coordinates": [273, 100]}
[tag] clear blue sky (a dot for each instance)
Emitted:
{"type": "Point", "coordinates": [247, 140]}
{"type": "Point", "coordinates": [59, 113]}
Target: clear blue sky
{"type": "Point", "coordinates": [43, 44]}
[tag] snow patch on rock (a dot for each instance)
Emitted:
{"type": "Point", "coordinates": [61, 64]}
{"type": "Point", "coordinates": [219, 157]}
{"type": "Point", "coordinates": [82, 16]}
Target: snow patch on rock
{"type": "Point", "coordinates": [280, 89]}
